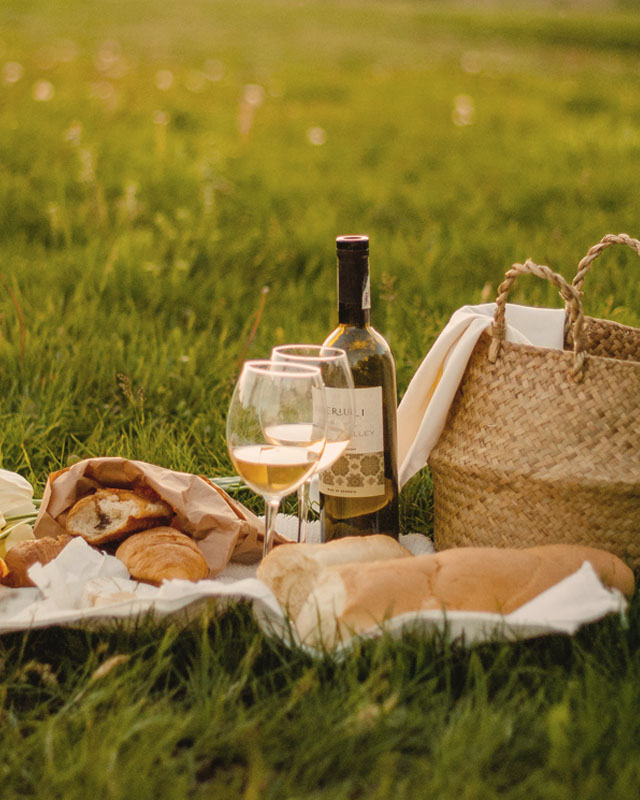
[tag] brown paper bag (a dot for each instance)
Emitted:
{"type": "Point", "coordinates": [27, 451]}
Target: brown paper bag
{"type": "Point", "coordinates": [223, 528]}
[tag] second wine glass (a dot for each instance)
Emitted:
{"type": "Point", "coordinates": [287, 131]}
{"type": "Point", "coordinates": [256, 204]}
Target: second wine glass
{"type": "Point", "coordinates": [339, 396]}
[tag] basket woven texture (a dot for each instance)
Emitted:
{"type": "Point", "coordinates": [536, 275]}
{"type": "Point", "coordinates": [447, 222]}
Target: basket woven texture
{"type": "Point", "coordinates": [543, 446]}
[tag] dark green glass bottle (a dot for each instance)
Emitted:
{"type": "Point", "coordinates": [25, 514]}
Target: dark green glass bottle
{"type": "Point", "coordinates": [359, 493]}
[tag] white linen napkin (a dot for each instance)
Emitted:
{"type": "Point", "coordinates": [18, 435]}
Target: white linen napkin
{"type": "Point", "coordinates": [423, 411]}
{"type": "Point", "coordinates": [62, 581]}
{"type": "Point", "coordinates": [575, 601]}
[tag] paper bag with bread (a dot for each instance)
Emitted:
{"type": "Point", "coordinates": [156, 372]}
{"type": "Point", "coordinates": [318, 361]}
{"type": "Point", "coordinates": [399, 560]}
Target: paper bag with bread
{"type": "Point", "coordinates": [160, 522]}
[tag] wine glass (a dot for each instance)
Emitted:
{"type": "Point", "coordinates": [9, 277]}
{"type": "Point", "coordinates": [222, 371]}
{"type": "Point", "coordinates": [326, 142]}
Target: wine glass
{"type": "Point", "coordinates": [338, 384]}
{"type": "Point", "coordinates": [276, 429]}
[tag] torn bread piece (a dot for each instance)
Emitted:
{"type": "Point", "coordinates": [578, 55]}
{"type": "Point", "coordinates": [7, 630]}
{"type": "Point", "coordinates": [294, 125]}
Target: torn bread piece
{"type": "Point", "coordinates": [111, 514]}
{"type": "Point", "coordinates": [106, 591]}
{"type": "Point", "coordinates": [290, 569]}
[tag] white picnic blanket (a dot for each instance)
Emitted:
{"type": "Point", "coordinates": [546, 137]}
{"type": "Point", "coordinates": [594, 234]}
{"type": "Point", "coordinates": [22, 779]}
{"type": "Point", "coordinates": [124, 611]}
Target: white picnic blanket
{"type": "Point", "coordinates": [423, 411]}
{"type": "Point", "coordinates": [83, 586]}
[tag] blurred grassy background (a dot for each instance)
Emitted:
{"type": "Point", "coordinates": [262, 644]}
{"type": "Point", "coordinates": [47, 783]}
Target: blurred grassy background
{"type": "Point", "coordinates": [161, 163]}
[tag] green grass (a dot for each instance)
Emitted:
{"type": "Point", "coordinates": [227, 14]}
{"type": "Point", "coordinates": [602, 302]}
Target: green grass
{"type": "Point", "coordinates": [138, 227]}
{"type": "Point", "coordinates": [218, 711]}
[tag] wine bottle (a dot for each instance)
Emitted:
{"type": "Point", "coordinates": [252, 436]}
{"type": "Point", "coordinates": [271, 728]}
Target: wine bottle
{"type": "Point", "coordinates": [359, 493]}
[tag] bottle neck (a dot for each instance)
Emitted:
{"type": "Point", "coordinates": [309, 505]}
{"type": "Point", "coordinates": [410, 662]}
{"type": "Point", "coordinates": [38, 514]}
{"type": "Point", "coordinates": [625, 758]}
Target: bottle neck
{"type": "Point", "coordinates": [354, 301]}
{"type": "Point", "coordinates": [353, 315]}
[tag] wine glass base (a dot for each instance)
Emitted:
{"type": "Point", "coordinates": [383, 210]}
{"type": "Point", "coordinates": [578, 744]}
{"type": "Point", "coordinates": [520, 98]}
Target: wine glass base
{"type": "Point", "coordinates": [287, 526]}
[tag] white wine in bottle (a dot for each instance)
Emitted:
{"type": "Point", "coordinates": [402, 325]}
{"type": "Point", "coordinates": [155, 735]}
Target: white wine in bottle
{"type": "Point", "coordinates": [359, 493]}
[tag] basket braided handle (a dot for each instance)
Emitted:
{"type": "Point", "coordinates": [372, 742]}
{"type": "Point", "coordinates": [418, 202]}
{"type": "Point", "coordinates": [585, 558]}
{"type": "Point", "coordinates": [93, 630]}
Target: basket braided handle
{"type": "Point", "coordinates": [569, 293]}
{"type": "Point", "coordinates": [585, 265]}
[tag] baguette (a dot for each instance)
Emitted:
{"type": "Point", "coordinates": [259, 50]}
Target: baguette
{"type": "Point", "coordinates": [350, 599]}
{"type": "Point", "coordinates": [290, 569]}
{"type": "Point", "coordinates": [111, 514]}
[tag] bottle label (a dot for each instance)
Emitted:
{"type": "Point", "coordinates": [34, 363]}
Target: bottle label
{"type": "Point", "coordinates": [360, 471]}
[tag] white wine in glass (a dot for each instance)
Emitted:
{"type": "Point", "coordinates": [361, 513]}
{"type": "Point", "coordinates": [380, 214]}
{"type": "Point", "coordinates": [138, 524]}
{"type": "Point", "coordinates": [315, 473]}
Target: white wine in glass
{"type": "Point", "coordinates": [272, 397]}
{"type": "Point", "coordinates": [339, 394]}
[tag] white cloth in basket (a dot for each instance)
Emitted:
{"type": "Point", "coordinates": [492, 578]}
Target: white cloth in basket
{"type": "Point", "coordinates": [423, 411]}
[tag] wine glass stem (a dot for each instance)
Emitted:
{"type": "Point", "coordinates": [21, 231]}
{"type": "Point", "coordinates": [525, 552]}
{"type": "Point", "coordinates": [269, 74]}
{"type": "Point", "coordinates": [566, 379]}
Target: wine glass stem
{"type": "Point", "coordinates": [270, 512]}
{"type": "Point", "coordinates": [303, 511]}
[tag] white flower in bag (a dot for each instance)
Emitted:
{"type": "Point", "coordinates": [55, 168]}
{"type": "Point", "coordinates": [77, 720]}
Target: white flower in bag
{"type": "Point", "coordinates": [16, 499]}
{"type": "Point", "coordinates": [16, 495]}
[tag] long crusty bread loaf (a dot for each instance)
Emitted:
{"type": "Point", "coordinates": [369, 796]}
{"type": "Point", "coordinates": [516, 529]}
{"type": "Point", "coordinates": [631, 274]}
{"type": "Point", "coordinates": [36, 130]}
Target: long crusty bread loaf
{"type": "Point", "coordinates": [161, 554]}
{"type": "Point", "coordinates": [290, 569]}
{"type": "Point", "coordinates": [111, 514]}
{"type": "Point", "coordinates": [352, 598]}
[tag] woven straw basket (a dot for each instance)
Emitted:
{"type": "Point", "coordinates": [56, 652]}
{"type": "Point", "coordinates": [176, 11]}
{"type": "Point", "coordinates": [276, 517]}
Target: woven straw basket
{"type": "Point", "coordinates": [543, 446]}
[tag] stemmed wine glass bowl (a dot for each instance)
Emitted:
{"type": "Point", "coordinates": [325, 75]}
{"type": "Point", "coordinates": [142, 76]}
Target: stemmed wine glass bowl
{"type": "Point", "coordinates": [276, 430]}
{"type": "Point", "coordinates": [339, 395]}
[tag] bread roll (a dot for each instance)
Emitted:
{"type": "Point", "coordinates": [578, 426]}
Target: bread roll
{"type": "Point", "coordinates": [290, 569]}
{"type": "Point", "coordinates": [353, 598]}
{"type": "Point", "coordinates": [161, 554]}
{"type": "Point", "coordinates": [111, 514]}
{"type": "Point", "coordinates": [24, 554]}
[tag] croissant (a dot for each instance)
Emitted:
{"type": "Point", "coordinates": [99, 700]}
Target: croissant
{"type": "Point", "coordinates": [160, 554]}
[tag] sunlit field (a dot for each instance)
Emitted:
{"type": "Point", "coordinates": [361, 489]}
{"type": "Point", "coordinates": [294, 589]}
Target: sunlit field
{"type": "Point", "coordinates": [172, 179]}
